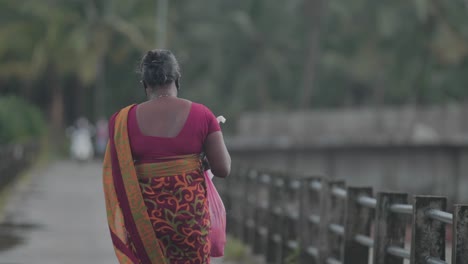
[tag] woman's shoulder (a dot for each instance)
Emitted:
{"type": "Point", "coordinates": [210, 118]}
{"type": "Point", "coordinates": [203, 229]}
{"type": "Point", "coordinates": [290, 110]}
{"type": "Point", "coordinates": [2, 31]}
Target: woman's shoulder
{"type": "Point", "coordinates": [200, 107]}
{"type": "Point", "coordinates": [126, 108]}
{"type": "Point", "coordinates": [204, 112]}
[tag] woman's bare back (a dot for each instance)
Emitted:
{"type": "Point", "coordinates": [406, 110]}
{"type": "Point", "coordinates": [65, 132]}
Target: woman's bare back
{"type": "Point", "coordinates": [163, 117]}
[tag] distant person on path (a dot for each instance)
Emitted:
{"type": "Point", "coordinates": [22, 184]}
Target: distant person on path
{"type": "Point", "coordinates": [102, 135]}
{"type": "Point", "coordinates": [153, 176]}
{"type": "Point", "coordinates": [81, 145]}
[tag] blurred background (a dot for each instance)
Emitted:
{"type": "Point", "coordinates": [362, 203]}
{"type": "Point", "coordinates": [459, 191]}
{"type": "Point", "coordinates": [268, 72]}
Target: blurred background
{"type": "Point", "coordinates": [373, 92]}
{"type": "Point", "coordinates": [78, 58]}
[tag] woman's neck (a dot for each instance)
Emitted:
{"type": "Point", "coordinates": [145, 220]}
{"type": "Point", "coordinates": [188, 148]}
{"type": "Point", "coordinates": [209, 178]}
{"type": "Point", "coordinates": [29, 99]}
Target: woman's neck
{"type": "Point", "coordinates": [169, 91]}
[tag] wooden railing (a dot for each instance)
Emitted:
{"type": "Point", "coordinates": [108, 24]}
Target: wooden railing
{"type": "Point", "coordinates": [14, 158]}
{"type": "Point", "coordinates": [317, 220]}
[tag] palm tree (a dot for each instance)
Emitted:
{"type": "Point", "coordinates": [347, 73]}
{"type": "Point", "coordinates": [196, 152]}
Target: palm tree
{"type": "Point", "coordinates": [62, 41]}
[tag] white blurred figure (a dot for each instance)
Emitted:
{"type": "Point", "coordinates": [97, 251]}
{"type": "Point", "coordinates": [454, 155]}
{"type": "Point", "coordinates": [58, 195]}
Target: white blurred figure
{"type": "Point", "coordinates": [81, 147]}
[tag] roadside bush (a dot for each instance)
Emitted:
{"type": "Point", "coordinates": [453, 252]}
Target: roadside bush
{"type": "Point", "coordinates": [20, 121]}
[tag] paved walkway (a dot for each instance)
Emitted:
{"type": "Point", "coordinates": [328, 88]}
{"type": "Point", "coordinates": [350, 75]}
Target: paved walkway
{"type": "Point", "coordinates": [58, 217]}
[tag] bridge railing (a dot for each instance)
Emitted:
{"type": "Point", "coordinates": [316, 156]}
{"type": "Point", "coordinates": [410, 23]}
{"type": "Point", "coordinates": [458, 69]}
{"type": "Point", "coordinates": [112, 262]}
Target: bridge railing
{"type": "Point", "coordinates": [317, 220]}
{"type": "Point", "coordinates": [14, 158]}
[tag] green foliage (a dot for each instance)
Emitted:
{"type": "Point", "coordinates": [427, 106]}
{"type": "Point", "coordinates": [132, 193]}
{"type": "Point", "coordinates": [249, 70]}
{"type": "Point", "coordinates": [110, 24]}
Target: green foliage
{"type": "Point", "coordinates": [238, 56]}
{"type": "Point", "coordinates": [19, 121]}
{"type": "Point", "coordinates": [395, 52]}
{"type": "Point", "coordinates": [293, 257]}
{"type": "Point", "coordinates": [235, 250]}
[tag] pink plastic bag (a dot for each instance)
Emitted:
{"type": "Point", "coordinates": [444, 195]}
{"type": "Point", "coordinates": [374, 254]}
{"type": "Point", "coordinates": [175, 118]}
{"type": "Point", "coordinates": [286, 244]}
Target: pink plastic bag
{"type": "Point", "coordinates": [218, 218]}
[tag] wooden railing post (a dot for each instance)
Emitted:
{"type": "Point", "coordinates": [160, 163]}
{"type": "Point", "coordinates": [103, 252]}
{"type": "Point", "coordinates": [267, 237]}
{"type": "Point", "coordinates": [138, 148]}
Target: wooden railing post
{"type": "Point", "coordinates": [309, 214]}
{"type": "Point", "coordinates": [460, 234]}
{"type": "Point", "coordinates": [331, 212]}
{"type": "Point", "coordinates": [389, 228]}
{"type": "Point", "coordinates": [238, 208]}
{"type": "Point", "coordinates": [428, 239]}
{"type": "Point", "coordinates": [291, 219]}
{"type": "Point", "coordinates": [261, 214]}
{"type": "Point", "coordinates": [357, 222]}
{"type": "Point", "coordinates": [250, 205]}
{"type": "Point", "coordinates": [275, 223]}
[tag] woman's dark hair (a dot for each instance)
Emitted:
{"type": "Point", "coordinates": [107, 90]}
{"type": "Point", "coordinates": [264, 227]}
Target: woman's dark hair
{"type": "Point", "coordinates": [159, 67]}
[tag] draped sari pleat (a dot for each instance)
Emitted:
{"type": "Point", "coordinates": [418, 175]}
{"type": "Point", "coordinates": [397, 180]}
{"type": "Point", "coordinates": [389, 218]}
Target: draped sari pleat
{"type": "Point", "coordinates": [131, 230]}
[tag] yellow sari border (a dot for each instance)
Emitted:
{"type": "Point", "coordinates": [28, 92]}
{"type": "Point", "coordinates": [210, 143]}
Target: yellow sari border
{"type": "Point", "coordinates": [132, 188]}
{"type": "Point", "coordinates": [180, 165]}
{"type": "Point", "coordinates": [127, 214]}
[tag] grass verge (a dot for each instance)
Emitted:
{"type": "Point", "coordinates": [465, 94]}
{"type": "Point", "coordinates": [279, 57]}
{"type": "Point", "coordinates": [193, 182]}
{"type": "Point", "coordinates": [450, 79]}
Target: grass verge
{"type": "Point", "coordinates": [237, 252]}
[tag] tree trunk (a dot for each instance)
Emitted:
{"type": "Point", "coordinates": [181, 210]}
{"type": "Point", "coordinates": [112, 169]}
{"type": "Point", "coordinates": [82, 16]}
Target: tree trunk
{"type": "Point", "coordinates": [314, 10]}
{"type": "Point", "coordinates": [56, 111]}
{"type": "Point", "coordinates": [161, 23]}
{"type": "Point", "coordinates": [379, 90]}
{"type": "Point", "coordinates": [422, 81]}
{"type": "Point", "coordinates": [99, 99]}
{"type": "Point", "coordinates": [263, 95]}
{"type": "Point", "coordinates": [79, 102]}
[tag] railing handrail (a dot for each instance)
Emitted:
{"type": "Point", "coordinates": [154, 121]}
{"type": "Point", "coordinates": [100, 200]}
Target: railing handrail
{"type": "Point", "coordinates": [289, 206]}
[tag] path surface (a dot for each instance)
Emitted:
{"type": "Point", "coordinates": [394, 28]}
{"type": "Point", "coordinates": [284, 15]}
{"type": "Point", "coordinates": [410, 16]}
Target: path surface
{"type": "Point", "coordinates": [58, 217]}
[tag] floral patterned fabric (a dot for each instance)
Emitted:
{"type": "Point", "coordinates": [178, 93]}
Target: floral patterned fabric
{"type": "Point", "coordinates": [178, 210]}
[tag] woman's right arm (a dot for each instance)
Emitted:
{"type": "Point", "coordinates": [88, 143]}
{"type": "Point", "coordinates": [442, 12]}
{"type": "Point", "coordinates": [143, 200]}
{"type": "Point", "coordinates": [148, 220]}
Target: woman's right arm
{"type": "Point", "coordinates": [217, 154]}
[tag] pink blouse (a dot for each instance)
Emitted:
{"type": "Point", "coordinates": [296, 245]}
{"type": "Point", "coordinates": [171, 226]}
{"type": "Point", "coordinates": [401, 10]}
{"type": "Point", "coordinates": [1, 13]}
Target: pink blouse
{"type": "Point", "coordinates": [147, 149]}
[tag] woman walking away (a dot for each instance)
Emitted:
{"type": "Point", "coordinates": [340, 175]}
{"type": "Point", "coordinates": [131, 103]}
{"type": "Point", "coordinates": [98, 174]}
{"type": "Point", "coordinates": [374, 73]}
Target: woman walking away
{"type": "Point", "coordinates": [153, 177]}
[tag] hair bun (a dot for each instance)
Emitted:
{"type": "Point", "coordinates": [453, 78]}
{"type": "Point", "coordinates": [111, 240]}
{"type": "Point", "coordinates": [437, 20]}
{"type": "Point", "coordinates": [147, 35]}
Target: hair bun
{"type": "Point", "coordinates": [159, 67]}
{"type": "Point", "coordinates": [156, 63]}
{"type": "Point", "coordinates": [161, 77]}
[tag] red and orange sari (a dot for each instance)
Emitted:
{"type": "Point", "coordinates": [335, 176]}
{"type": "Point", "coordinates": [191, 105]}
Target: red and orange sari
{"type": "Point", "coordinates": [157, 213]}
